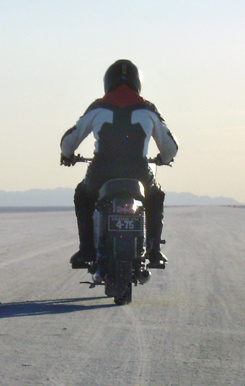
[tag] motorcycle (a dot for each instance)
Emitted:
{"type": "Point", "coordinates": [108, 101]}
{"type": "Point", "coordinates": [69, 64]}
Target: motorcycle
{"type": "Point", "coordinates": [119, 238]}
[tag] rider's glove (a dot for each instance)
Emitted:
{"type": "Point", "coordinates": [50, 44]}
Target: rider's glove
{"type": "Point", "coordinates": [67, 161]}
{"type": "Point", "coordinates": [158, 160]}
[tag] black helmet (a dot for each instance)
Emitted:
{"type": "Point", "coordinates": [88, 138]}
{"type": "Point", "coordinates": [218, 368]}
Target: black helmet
{"type": "Point", "coordinates": [122, 72]}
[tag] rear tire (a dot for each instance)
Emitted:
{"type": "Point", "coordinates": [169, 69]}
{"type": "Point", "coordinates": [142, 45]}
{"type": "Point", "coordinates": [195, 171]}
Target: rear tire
{"type": "Point", "coordinates": [126, 298]}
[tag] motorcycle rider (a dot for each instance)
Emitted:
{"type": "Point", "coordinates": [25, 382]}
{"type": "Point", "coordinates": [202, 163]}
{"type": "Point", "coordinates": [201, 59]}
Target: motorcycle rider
{"type": "Point", "coordinates": [122, 123]}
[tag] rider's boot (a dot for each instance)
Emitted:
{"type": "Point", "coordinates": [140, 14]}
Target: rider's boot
{"type": "Point", "coordinates": [156, 258]}
{"type": "Point", "coordinates": [81, 258]}
{"type": "Point", "coordinates": [84, 211]}
{"type": "Point", "coordinates": [154, 224]}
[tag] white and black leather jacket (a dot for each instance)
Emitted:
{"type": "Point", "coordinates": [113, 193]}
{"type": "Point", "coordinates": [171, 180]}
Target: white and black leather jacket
{"type": "Point", "coordinates": [122, 123]}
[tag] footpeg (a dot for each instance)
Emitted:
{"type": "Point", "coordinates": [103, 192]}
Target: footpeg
{"type": "Point", "coordinates": [79, 265]}
{"type": "Point", "coordinates": [157, 265]}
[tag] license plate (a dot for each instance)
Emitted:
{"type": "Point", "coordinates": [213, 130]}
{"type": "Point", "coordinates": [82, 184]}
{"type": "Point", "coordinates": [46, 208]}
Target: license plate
{"type": "Point", "coordinates": [124, 223]}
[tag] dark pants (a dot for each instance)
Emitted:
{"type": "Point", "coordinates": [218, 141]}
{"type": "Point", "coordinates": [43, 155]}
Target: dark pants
{"type": "Point", "coordinates": [86, 195]}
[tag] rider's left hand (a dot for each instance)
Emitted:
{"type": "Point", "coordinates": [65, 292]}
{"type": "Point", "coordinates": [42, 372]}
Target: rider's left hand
{"type": "Point", "coordinates": [67, 161]}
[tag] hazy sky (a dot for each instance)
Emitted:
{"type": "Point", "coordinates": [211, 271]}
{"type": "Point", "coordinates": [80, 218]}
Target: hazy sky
{"type": "Point", "coordinates": [54, 54]}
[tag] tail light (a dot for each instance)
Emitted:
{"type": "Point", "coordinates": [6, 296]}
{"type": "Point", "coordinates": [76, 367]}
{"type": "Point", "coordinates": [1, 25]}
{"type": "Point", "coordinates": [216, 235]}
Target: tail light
{"type": "Point", "coordinates": [126, 209]}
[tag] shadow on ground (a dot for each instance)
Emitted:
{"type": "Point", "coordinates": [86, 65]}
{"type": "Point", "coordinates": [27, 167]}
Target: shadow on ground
{"type": "Point", "coordinates": [56, 306]}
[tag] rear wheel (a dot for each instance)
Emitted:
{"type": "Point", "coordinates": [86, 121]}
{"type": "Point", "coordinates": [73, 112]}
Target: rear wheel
{"type": "Point", "coordinates": [126, 298]}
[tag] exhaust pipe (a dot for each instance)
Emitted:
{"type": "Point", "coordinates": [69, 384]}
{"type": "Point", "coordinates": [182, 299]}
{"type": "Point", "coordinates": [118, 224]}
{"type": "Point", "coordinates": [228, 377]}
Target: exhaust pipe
{"type": "Point", "coordinates": [143, 276]}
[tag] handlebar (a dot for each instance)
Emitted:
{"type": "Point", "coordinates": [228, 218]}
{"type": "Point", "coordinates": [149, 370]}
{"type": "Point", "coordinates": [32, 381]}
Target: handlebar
{"type": "Point", "coordinates": [152, 160]}
{"type": "Point", "coordinates": [80, 158]}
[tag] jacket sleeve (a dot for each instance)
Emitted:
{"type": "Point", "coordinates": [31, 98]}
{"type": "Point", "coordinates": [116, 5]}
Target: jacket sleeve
{"type": "Point", "coordinates": [165, 140]}
{"type": "Point", "coordinates": [74, 136]}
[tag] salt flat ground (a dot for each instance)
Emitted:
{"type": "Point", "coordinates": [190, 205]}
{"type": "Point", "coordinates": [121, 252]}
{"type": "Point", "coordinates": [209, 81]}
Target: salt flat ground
{"type": "Point", "coordinates": [185, 327]}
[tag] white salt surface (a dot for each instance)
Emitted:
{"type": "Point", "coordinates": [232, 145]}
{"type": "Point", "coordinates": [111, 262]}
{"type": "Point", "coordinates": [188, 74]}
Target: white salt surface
{"type": "Point", "coordinates": [185, 327]}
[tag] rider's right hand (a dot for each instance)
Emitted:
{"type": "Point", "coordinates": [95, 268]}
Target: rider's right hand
{"type": "Point", "coordinates": [158, 161]}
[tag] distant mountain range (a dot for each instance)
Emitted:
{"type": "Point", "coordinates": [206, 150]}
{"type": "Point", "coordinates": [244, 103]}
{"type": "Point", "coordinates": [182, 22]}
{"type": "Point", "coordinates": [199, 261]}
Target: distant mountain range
{"type": "Point", "coordinates": [64, 197]}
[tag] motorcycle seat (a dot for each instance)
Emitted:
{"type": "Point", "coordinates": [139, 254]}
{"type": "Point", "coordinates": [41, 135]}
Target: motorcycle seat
{"type": "Point", "coordinates": [128, 187]}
